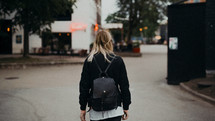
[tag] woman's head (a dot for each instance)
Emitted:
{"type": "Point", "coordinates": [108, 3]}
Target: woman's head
{"type": "Point", "coordinates": [104, 41]}
{"type": "Point", "coordinates": [103, 44]}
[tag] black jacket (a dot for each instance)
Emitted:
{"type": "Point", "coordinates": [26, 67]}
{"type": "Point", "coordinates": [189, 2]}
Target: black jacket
{"type": "Point", "coordinates": [117, 71]}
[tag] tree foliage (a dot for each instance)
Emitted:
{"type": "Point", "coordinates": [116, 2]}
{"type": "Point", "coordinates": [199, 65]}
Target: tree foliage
{"type": "Point", "coordinates": [34, 15]}
{"type": "Point", "coordinates": [141, 13]}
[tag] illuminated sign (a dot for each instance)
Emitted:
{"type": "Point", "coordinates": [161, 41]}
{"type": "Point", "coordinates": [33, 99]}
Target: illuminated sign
{"type": "Point", "coordinates": [173, 43]}
{"type": "Point", "coordinates": [78, 26]}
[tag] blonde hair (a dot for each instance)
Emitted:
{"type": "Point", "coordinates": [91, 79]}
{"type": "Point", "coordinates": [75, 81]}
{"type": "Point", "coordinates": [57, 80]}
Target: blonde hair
{"type": "Point", "coordinates": [103, 44]}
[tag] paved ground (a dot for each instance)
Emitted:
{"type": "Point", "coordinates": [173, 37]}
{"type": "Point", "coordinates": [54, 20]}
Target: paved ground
{"type": "Point", "coordinates": [51, 93]}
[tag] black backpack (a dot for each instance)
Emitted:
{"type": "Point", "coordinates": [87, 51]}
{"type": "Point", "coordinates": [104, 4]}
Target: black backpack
{"type": "Point", "coordinates": [104, 90]}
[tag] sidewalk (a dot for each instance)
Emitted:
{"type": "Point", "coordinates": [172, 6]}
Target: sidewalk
{"type": "Point", "coordinates": [16, 61]}
{"type": "Point", "coordinates": [203, 88]}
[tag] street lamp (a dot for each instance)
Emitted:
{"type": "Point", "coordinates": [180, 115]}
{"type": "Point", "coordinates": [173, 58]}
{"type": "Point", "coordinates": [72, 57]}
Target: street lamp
{"type": "Point", "coordinates": [145, 28]}
{"type": "Point", "coordinates": [141, 33]}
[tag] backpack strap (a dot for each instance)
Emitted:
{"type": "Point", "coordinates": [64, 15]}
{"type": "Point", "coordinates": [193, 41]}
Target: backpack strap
{"type": "Point", "coordinates": [97, 65]}
{"type": "Point", "coordinates": [109, 64]}
{"type": "Point", "coordinates": [106, 68]}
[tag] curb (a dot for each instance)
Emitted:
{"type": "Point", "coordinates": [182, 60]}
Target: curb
{"type": "Point", "coordinates": [51, 63]}
{"type": "Point", "coordinates": [195, 93]}
{"type": "Point", "coordinates": [25, 65]}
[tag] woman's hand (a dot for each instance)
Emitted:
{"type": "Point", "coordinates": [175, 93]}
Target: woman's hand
{"type": "Point", "coordinates": [82, 115]}
{"type": "Point", "coordinates": [125, 116]}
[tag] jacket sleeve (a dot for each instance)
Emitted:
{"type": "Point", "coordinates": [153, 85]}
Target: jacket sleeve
{"type": "Point", "coordinates": [124, 86]}
{"type": "Point", "coordinates": [84, 86]}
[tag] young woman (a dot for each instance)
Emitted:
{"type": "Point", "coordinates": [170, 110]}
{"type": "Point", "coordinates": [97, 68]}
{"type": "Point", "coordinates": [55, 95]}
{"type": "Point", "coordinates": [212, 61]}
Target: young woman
{"type": "Point", "coordinates": [102, 51]}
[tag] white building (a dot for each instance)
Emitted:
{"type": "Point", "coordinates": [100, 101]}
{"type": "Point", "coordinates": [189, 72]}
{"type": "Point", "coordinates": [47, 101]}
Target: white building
{"type": "Point", "coordinates": [78, 30]}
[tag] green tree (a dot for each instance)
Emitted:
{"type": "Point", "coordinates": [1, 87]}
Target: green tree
{"type": "Point", "coordinates": [34, 15]}
{"type": "Point", "coordinates": [141, 13]}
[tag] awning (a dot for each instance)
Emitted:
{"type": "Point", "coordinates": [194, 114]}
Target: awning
{"type": "Point", "coordinates": [112, 26]}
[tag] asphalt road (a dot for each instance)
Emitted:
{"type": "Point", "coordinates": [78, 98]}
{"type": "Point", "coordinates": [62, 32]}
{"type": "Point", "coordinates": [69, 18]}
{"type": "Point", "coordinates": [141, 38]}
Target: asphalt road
{"type": "Point", "coordinates": [51, 93]}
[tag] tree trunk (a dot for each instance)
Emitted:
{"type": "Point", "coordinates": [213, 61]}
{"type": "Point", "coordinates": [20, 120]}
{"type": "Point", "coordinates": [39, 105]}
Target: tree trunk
{"type": "Point", "coordinates": [26, 31]}
{"type": "Point", "coordinates": [130, 21]}
{"type": "Point", "coordinates": [129, 47]}
{"type": "Point", "coordinates": [26, 42]}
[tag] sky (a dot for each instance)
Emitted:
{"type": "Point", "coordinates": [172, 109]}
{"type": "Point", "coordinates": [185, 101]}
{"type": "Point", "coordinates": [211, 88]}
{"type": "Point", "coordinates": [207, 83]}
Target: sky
{"type": "Point", "coordinates": [108, 7]}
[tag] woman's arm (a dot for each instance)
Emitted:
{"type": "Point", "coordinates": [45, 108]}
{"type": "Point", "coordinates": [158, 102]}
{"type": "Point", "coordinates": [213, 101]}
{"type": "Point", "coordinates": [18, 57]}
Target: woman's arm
{"type": "Point", "coordinates": [124, 86]}
{"type": "Point", "coordinates": [84, 86]}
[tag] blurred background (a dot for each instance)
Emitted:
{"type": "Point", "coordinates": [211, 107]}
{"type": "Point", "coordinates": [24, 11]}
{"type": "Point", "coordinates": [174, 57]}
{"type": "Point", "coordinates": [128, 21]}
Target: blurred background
{"type": "Point", "coordinates": [168, 47]}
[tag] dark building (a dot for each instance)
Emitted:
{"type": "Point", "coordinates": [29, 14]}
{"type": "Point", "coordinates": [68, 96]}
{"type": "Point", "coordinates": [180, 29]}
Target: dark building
{"type": "Point", "coordinates": [5, 37]}
{"type": "Point", "coordinates": [210, 35]}
{"type": "Point", "coordinates": [186, 42]}
{"type": "Point", "coordinates": [191, 41]}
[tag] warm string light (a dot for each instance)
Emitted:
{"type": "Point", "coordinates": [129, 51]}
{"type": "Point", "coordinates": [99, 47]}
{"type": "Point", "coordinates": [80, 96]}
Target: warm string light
{"type": "Point", "coordinates": [96, 27]}
{"type": "Point", "coordinates": [141, 29]}
{"type": "Point", "coordinates": [8, 29]}
{"type": "Point", "coordinates": [145, 27]}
